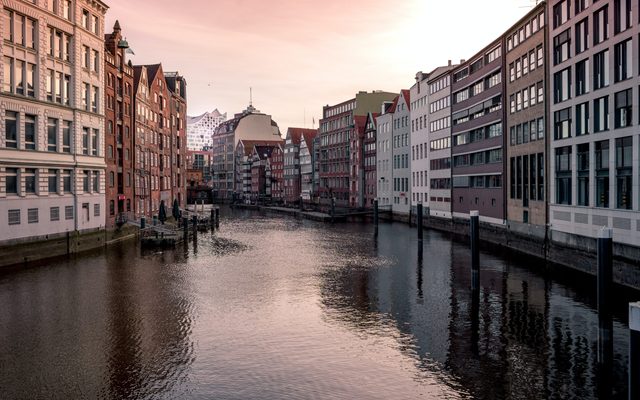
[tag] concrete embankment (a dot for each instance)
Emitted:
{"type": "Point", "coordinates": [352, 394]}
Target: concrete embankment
{"type": "Point", "coordinates": [22, 252]}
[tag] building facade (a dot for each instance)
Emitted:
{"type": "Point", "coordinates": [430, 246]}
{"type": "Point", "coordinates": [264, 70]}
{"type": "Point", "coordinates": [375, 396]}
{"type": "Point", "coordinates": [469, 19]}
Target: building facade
{"type": "Point", "coordinates": [292, 174]}
{"type": "Point", "coordinates": [118, 129]}
{"type": "Point", "coordinates": [401, 154]}
{"type": "Point", "coordinates": [337, 127]}
{"type": "Point", "coordinates": [306, 164]}
{"type": "Point", "coordinates": [370, 164]}
{"type": "Point", "coordinates": [438, 143]}
{"type": "Point", "coordinates": [476, 136]}
{"type": "Point", "coordinates": [52, 165]}
{"type": "Point", "coordinates": [200, 129]}
{"type": "Point", "coordinates": [593, 119]}
{"type": "Point", "coordinates": [526, 149]}
{"type": "Point", "coordinates": [419, 139]}
{"type": "Point", "coordinates": [356, 163]}
{"type": "Point", "coordinates": [384, 153]}
{"type": "Point", "coordinates": [177, 87]}
{"type": "Point", "coordinates": [247, 125]}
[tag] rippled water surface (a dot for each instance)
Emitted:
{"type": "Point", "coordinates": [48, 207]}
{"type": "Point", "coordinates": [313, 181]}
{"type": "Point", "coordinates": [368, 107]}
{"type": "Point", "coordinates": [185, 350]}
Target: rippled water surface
{"type": "Point", "coordinates": [276, 308]}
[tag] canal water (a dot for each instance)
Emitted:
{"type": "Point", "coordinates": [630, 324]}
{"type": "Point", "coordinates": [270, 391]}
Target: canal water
{"type": "Point", "coordinates": [271, 307]}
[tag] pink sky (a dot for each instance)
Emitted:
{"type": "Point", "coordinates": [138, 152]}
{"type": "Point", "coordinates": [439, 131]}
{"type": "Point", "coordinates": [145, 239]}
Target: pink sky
{"type": "Point", "coordinates": [299, 55]}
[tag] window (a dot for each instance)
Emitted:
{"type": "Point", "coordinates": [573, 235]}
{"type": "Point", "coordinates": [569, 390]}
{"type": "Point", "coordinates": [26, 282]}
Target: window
{"type": "Point", "coordinates": [66, 136]}
{"type": "Point", "coordinates": [96, 25]}
{"type": "Point", "coordinates": [85, 20]}
{"type": "Point", "coordinates": [582, 119]}
{"type": "Point", "coordinates": [66, 181]}
{"type": "Point", "coordinates": [30, 132]}
{"type": "Point", "coordinates": [85, 140]}
{"type": "Point", "coordinates": [601, 114]}
{"type": "Point", "coordinates": [11, 181]}
{"type": "Point", "coordinates": [11, 129]}
{"type": "Point", "coordinates": [602, 174]}
{"type": "Point", "coordinates": [54, 213]}
{"type": "Point", "coordinates": [562, 124]}
{"type": "Point", "coordinates": [623, 62]}
{"type": "Point", "coordinates": [562, 85]}
{"type": "Point", "coordinates": [30, 181]}
{"type": "Point", "coordinates": [601, 70]}
{"type": "Point", "coordinates": [624, 151]}
{"type": "Point", "coordinates": [582, 77]}
{"type": "Point", "coordinates": [96, 182]}
{"type": "Point", "coordinates": [560, 13]}
{"type": "Point", "coordinates": [14, 217]}
{"type": "Point", "coordinates": [66, 9]}
{"type": "Point", "coordinates": [9, 77]}
{"type": "Point", "coordinates": [32, 215]}
{"type": "Point", "coordinates": [601, 25]}
{"type": "Point", "coordinates": [68, 212]}
{"type": "Point", "coordinates": [96, 210]}
{"type": "Point", "coordinates": [86, 57]}
{"type": "Point", "coordinates": [622, 15]}
{"type": "Point", "coordinates": [561, 47]}
{"type": "Point", "coordinates": [53, 181]}
{"type": "Point", "coordinates": [563, 175]}
{"type": "Point", "coordinates": [52, 134]}
{"type": "Point", "coordinates": [94, 99]}
{"type": "Point", "coordinates": [582, 36]}
{"type": "Point", "coordinates": [95, 139]}
{"type": "Point", "coordinates": [582, 162]}
{"type": "Point", "coordinates": [623, 108]}
{"type": "Point", "coordinates": [111, 179]}
{"type": "Point", "coordinates": [85, 181]}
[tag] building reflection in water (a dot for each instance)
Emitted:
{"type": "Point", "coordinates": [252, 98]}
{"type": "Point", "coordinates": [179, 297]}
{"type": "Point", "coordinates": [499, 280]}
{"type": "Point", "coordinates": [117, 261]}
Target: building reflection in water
{"type": "Point", "coordinates": [525, 335]}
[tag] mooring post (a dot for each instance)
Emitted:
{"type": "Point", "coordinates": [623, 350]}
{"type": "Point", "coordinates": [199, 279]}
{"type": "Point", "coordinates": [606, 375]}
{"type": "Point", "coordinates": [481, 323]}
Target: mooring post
{"type": "Point", "coordinates": [419, 221]}
{"type": "Point", "coordinates": [212, 219]}
{"type": "Point", "coordinates": [143, 223]}
{"type": "Point", "coordinates": [194, 220]}
{"type": "Point", "coordinates": [375, 212]}
{"type": "Point", "coordinates": [217, 217]}
{"type": "Point", "coordinates": [605, 285]}
{"type": "Point", "coordinates": [301, 204]}
{"type": "Point", "coordinates": [634, 350]}
{"type": "Point", "coordinates": [474, 233]}
{"type": "Point", "coordinates": [333, 207]}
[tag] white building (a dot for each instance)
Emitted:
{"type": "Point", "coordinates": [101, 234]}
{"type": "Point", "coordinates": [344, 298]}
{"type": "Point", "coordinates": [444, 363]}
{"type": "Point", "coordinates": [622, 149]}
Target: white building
{"type": "Point", "coordinates": [52, 164]}
{"type": "Point", "coordinates": [401, 161]}
{"type": "Point", "coordinates": [419, 140]}
{"type": "Point", "coordinates": [200, 129]}
{"type": "Point", "coordinates": [439, 166]}
{"type": "Point", "coordinates": [384, 154]}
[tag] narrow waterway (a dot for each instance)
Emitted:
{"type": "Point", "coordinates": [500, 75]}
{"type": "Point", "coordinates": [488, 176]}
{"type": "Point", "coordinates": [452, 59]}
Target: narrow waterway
{"type": "Point", "coordinates": [271, 307]}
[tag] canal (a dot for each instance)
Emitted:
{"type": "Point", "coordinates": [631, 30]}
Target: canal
{"type": "Point", "coordinates": [271, 307]}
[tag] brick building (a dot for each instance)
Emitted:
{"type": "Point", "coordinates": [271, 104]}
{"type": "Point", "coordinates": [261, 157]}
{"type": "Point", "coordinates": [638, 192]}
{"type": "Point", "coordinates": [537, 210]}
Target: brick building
{"type": "Point", "coordinates": [118, 128]}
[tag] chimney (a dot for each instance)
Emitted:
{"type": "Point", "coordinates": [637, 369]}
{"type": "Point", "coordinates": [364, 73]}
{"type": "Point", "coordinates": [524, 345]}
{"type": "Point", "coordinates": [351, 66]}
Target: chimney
{"type": "Point", "coordinates": [449, 63]}
{"type": "Point", "coordinates": [419, 76]}
{"type": "Point", "coordinates": [462, 61]}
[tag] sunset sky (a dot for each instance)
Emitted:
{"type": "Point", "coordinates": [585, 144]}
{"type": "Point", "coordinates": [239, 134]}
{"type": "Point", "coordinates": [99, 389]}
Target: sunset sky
{"type": "Point", "coordinates": [299, 55]}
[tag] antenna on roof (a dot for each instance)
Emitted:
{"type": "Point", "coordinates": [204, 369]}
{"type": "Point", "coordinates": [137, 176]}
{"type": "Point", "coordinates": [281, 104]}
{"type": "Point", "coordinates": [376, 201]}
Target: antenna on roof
{"type": "Point", "coordinates": [250, 96]}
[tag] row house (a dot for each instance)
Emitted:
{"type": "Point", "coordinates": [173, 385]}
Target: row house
{"type": "Point", "coordinates": [437, 146]}
{"type": "Point", "coordinates": [356, 163]}
{"type": "Point", "coordinates": [177, 87]}
{"type": "Point", "coordinates": [275, 173]}
{"type": "Point", "coordinates": [526, 144]}
{"type": "Point", "coordinates": [419, 139]}
{"type": "Point", "coordinates": [307, 162]}
{"type": "Point", "coordinates": [594, 76]}
{"type": "Point", "coordinates": [243, 162]}
{"type": "Point", "coordinates": [118, 128]}
{"type": "Point", "coordinates": [476, 136]}
{"type": "Point", "coordinates": [52, 162]}
{"type": "Point", "coordinates": [337, 127]}
{"type": "Point", "coordinates": [248, 125]}
{"type": "Point", "coordinates": [369, 156]}
{"type": "Point", "coordinates": [401, 153]}
{"type": "Point", "coordinates": [384, 153]}
{"type": "Point", "coordinates": [292, 175]}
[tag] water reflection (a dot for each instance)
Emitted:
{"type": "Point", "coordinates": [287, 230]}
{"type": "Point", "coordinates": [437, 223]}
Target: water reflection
{"type": "Point", "coordinates": [275, 308]}
{"type": "Point", "coordinates": [522, 336]}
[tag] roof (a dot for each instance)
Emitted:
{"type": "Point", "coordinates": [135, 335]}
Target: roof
{"type": "Point", "coordinates": [360, 122]}
{"type": "Point", "coordinates": [407, 97]}
{"type": "Point", "coordinates": [264, 152]}
{"type": "Point", "coordinates": [297, 133]}
{"type": "Point", "coordinates": [215, 113]}
{"type": "Point", "coordinates": [392, 109]}
{"type": "Point", "coordinates": [309, 135]}
{"type": "Point", "coordinates": [248, 145]}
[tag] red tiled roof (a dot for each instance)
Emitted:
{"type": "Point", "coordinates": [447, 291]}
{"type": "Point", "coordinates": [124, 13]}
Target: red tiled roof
{"type": "Point", "coordinates": [407, 97]}
{"type": "Point", "coordinates": [309, 135]}
{"type": "Point", "coordinates": [392, 109]}
{"type": "Point", "coordinates": [297, 133]}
